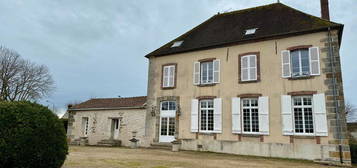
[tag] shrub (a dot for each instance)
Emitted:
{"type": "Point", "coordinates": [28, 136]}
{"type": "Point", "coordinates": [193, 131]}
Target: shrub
{"type": "Point", "coordinates": [353, 149]}
{"type": "Point", "coordinates": [31, 136]}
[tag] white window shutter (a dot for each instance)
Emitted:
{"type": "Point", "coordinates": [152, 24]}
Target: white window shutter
{"type": "Point", "coordinates": [285, 59]}
{"type": "Point", "coordinates": [253, 67]}
{"type": "Point", "coordinates": [196, 73]}
{"type": "Point", "coordinates": [194, 115]}
{"type": "Point", "coordinates": [286, 115]}
{"type": "Point", "coordinates": [236, 120]}
{"type": "Point", "coordinates": [314, 56]}
{"type": "Point", "coordinates": [244, 68]}
{"type": "Point", "coordinates": [320, 117]}
{"type": "Point", "coordinates": [165, 75]}
{"type": "Point", "coordinates": [172, 76]}
{"type": "Point", "coordinates": [217, 115]}
{"type": "Point", "coordinates": [263, 103]}
{"type": "Point", "coordinates": [216, 70]}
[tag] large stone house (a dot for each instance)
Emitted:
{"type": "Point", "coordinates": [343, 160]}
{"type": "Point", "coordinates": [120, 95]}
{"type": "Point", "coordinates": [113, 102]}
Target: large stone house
{"type": "Point", "coordinates": [263, 81]}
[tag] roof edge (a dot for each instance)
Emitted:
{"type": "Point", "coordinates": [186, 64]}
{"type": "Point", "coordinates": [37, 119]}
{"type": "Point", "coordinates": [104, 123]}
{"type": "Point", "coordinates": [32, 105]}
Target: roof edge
{"type": "Point", "coordinates": [111, 108]}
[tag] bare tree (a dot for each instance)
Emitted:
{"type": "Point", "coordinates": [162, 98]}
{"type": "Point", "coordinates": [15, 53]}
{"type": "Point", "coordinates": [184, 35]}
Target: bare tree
{"type": "Point", "coordinates": [21, 79]}
{"type": "Point", "coordinates": [350, 108]}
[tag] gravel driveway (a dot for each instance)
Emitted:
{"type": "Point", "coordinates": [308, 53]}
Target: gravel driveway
{"type": "Point", "coordinates": [102, 157]}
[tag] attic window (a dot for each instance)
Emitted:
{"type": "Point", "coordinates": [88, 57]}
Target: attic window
{"type": "Point", "coordinates": [177, 44]}
{"type": "Point", "coordinates": [250, 31]}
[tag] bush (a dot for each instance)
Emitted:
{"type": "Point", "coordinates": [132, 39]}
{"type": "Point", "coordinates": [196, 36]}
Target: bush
{"type": "Point", "coordinates": [353, 149]}
{"type": "Point", "coordinates": [31, 136]}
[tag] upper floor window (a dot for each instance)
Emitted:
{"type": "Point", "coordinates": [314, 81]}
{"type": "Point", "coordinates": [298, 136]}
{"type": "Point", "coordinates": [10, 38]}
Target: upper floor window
{"type": "Point", "coordinates": [249, 67]}
{"type": "Point", "coordinates": [206, 72]}
{"type": "Point", "coordinates": [303, 115]}
{"type": "Point", "coordinates": [169, 76]}
{"type": "Point", "coordinates": [300, 62]}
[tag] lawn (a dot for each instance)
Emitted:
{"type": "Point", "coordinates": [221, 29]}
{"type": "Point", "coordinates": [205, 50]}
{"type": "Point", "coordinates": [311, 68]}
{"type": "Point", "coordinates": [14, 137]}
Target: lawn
{"type": "Point", "coordinates": [105, 157]}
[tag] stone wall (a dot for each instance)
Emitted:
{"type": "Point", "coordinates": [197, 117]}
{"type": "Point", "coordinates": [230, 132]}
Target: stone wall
{"type": "Point", "coordinates": [335, 103]}
{"type": "Point", "coordinates": [100, 125]}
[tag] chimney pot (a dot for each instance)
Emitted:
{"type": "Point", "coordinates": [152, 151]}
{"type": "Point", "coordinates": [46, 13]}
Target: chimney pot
{"type": "Point", "coordinates": [325, 13]}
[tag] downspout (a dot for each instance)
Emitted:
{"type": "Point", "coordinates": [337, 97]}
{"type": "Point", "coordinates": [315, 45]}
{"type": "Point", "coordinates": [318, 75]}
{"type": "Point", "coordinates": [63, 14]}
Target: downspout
{"type": "Point", "coordinates": [334, 92]}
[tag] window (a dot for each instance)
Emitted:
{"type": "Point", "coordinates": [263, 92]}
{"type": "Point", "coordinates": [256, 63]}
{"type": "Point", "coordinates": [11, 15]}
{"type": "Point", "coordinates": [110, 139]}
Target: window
{"type": "Point", "coordinates": [300, 63]}
{"type": "Point", "coordinates": [206, 115]}
{"type": "Point", "coordinates": [168, 105]}
{"type": "Point", "coordinates": [206, 72]}
{"type": "Point", "coordinates": [250, 115]}
{"type": "Point", "coordinates": [249, 67]}
{"type": "Point", "coordinates": [250, 31]}
{"type": "Point", "coordinates": [303, 115]}
{"type": "Point", "coordinates": [168, 76]}
{"type": "Point", "coordinates": [177, 44]}
{"type": "Point", "coordinates": [85, 125]}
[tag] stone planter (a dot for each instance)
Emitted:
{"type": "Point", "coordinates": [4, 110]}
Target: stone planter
{"type": "Point", "coordinates": [134, 143]}
{"type": "Point", "coordinates": [176, 145]}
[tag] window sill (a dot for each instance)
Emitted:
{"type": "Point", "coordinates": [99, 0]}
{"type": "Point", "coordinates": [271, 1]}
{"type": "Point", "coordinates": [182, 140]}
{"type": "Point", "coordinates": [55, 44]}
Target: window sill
{"type": "Point", "coordinates": [301, 78]}
{"type": "Point", "coordinates": [304, 136]}
{"type": "Point", "coordinates": [168, 88]}
{"type": "Point", "coordinates": [250, 81]}
{"type": "Point", "coordinates": [207, 133]}
{"type": "Point", "coordinates": [206, 85]}
{"type": "Point", "coordinates": [254, 135]}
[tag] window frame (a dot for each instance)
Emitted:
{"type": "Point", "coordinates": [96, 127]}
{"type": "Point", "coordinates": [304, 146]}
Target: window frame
{"type": "Point", "coordinates": [173, 86]}
{"type": "Point", "coordinates": [250, 115]}
{"type": "Point", "coordinates": [299, 50]}
{"type": "Point", "coordinates": [302, 106]}
{"type": "Point", "coordinates": [206, 118]}
{"type": "Point", "coordinates": [257, 63]}
{"type": "Point", "coordinates": [85, 126]}
{"type": "Point", "coordinates": [208, 72]}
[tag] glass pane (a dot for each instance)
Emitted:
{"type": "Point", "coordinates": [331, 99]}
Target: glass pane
{"type": "Point", "coordinates": [309, 126]}
{"type": "Point", "coordinates": [305, 63]}
{"type": "Point", "coordinates": [204, 69]}
{"type": "Point", "coordinates": [307, 101]}
{"type": "Point", "coordinates": [210, 103]}
{"type": "Point", "coordinates": [253, 73]}
{"type": "Point", "coordinates": [244, 62]}
{"type": "Point", "coordinates": [245, 103]}
{"type": "Point", "coordinates": [171, 126]}
{"type": "Point", "coordinates": [210, 72]}
{"type": "Point", "coordinates": [252, 61]}
{"type": "Point", "coordinates": [255, 120]}
{"type": "Point", "coordinates": [246, 120]}
{"type": "Point", "coordinates": [203, 119]}
{"type": "Point", "coordinates": [172, 105]}
{"type": "Point", "coordinates": [163, 126]}
{"type": "Point", "coordinates": [203, 104]}
{"type": "Point", "coordinates": [297, 101]}
{"type": "Point", "coordinates": [254, 102]}
{"type": "Point", "coordinates": [210, 120]}
{"type": "Point", "coordinates": [164, 105]}
{"type": "Point", "coordinates": [299, 128]}
{"type": "Point", "coordinates": [295, 64]}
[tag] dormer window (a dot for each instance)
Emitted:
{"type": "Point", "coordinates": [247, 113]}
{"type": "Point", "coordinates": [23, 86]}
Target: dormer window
{"type": "Point", "coordinates": [177, 44]}
{"type": "Point", "coordinates": [250, 31]}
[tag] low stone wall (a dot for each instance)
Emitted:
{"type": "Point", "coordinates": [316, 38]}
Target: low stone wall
{"type": "Point", "coordinates": [280, 150]}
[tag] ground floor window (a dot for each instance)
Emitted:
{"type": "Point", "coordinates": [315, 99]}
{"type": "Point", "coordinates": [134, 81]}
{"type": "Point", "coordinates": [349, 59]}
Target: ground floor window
{"type": "Point", "coordinates": [250, 112]}
{"type": "Point", "coordinates": [206, 115]}
{"type": "Point", "coordinates": [303, 115]}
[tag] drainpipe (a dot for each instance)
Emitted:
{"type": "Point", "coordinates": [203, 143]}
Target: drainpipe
{"type": "Point", "coordinates": [334, 92]}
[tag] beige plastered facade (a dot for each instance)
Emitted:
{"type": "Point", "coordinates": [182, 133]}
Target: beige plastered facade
{"type": "Point", "coordinates": [271, 84]}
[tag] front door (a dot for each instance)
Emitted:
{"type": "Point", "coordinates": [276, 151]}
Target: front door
{"type": "Point", "coordinates": [167, 121]}
{"type": "Point", "coordinates": [115, 128]}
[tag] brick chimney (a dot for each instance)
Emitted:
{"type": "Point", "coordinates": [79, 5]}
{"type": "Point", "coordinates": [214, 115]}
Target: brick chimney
{"type": "Point", "coordinates": [325, 13]}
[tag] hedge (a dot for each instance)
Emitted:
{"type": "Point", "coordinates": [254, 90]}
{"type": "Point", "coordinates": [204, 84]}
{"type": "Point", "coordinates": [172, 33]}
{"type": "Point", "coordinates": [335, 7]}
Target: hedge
{"type": "Point", "coordinates": [31, 136]}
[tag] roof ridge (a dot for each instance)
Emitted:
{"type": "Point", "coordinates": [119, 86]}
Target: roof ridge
{"type": "Point", "coordinates": [118, 97]}
{"type": "Point", "coordinates": [246, 9]}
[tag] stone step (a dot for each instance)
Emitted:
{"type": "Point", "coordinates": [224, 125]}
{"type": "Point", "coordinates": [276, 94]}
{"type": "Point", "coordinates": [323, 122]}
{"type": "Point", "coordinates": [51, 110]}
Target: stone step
{"type": "Point", "coordinates": [109, 142]}
{"type": "Point", "coordinates": [161, 145]}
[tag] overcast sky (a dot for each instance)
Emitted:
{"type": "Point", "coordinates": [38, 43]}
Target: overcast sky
{"type": "Point", "coordinates": [96, 48]}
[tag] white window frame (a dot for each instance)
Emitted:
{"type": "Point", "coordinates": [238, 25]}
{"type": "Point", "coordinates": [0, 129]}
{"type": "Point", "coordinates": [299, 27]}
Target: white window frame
{"type": "Point", "coordinates": [300, 63]}
{"type": "Point", "coordinates": [166, 79]}
{"type": "Point", "coordinates": [250, 115]}
{"type": "Point", "coordinates": [202, 81]}
{"type": "Point", "coordinates": [249, 68]}
{"type": "Point", "coordinates": [200, 114]}
{"type": "Point", "coordinates": [85, 126]}
{"type": "Point", "coordinates": [302, 106]}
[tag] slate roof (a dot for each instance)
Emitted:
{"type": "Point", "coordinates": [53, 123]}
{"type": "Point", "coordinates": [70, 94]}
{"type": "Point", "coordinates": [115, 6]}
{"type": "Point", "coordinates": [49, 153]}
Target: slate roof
{"type": "Point", "coordinates": [273, 21]}
{"type": "Point", "coordinates": [112, 103]}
